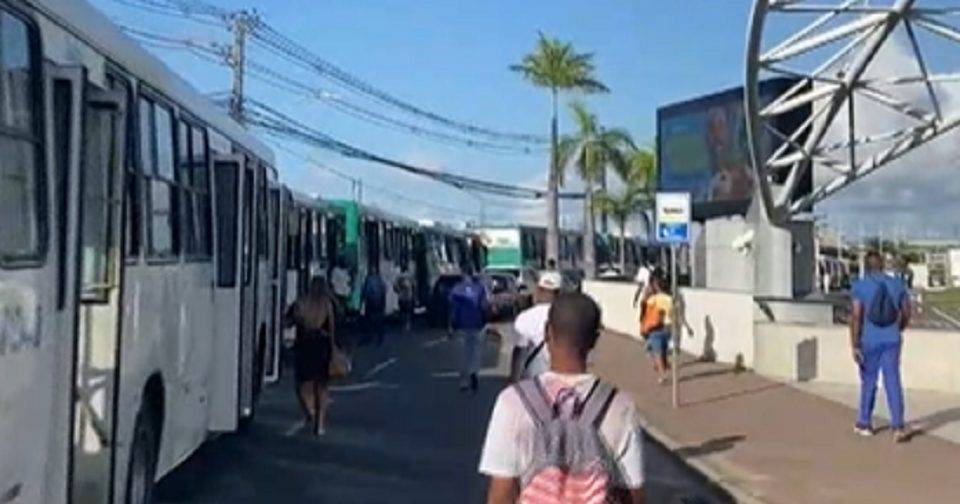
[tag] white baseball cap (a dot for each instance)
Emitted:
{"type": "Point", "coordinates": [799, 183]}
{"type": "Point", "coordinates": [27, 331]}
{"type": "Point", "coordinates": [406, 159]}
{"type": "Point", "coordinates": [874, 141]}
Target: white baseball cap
{"type": "Point", "coordinates": [550, 280]}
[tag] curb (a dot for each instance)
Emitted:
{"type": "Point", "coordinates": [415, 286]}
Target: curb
{"type": "Point", "coordinates": [709, 471]}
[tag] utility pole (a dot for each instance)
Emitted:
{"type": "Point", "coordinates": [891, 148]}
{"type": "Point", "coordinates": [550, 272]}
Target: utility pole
{"type": "Point", "coordinates": [241, 25]}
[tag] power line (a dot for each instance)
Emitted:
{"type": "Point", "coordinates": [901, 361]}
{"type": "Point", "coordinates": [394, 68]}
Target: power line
{"type": "Point", "coordinates": [291, 85]}
{"type": "Point", "coordinates": [164, 10]}
{"type": "Point", "coordinates": [278, 80]}
{"type": "Point", "coordinates": [266, 117]}
{"type": "Point", "coordinates": [270, 37]}
{"type": "Point", "coordinates": [375, 187]}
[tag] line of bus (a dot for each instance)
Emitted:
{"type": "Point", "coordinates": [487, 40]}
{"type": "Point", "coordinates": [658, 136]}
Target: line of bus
{"type": "Point", "coordinates": [147, 254]}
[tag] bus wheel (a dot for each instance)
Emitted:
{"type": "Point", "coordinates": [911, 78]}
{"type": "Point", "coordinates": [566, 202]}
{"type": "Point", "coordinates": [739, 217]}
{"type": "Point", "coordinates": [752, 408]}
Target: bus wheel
{"type": "Point", "coordinates": [143, 460]}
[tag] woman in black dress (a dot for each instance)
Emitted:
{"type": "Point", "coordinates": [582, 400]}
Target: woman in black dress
{"type": "Point", "coordinates": [313, 314]}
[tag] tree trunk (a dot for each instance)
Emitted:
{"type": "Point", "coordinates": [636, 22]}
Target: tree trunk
{"type": "Point", "coordinates": [553, 183]}
{"type": "Point", "coordinates": [623, 244]}
{"type": "Point", "coordinates": [604, 217]}
{"type": "Point", "coordinates": [589, 241]}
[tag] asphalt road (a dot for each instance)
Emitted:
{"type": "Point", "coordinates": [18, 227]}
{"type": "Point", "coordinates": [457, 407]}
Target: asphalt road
{"type": "Point", "coordinates": [399, 431]}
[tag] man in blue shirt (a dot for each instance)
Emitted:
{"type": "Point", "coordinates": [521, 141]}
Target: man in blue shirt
{"type": "Point", "coordinates": [880, 312]}
{"type": "Point", "coordinates": [468, 309]}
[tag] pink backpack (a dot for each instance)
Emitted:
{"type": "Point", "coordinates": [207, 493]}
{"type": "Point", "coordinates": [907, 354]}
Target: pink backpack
{"type": "Point", "coordinates": [570, 463]}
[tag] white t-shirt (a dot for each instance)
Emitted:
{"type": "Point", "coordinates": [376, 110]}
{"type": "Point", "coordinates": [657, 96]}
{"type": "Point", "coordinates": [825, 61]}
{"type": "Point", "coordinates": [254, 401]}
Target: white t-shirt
{"type": "Point", "coordinates": [643, 276]}
{"type": "Point", "coordinates": [340, 280]}
{"type": "Point", "coordinates": [531, 328]}
{"type": "Point", "coordinates": [508, 449]}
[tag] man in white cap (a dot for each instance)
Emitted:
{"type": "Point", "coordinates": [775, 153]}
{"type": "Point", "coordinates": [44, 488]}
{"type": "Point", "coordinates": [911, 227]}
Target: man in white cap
{"type": "Point", "coordinates": [530, 356]}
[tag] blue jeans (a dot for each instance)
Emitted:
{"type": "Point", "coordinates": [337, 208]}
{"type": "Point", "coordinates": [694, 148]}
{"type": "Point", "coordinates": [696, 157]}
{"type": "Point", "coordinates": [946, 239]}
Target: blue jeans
{"type": "Point", "coordinates": [472, 342]}
{"type": "Point", "coordinates": [880, 356]}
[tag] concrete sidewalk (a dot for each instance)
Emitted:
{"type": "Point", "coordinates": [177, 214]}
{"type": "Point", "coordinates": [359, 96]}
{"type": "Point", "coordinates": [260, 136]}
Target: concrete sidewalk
{"type": "Point", "coordinates": [765, 441]}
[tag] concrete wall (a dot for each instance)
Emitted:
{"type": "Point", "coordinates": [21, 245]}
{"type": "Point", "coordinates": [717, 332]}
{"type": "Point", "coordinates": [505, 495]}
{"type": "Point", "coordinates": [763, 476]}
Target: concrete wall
{"type": "Point", "coordinates": [616, 301]}
{"type": "Point", "coordinates": [930, 359]}
{"type": "Point", "coordinates": [719, 325]}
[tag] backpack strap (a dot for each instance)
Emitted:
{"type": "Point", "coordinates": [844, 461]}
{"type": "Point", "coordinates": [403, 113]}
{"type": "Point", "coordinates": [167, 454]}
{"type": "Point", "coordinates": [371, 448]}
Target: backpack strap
{"type": "Point", "coordinates": [533, 355]}
{"type": "Point", "coordinates": [595, 405]}
{"type": "Point", "coordinates": [535, 400]}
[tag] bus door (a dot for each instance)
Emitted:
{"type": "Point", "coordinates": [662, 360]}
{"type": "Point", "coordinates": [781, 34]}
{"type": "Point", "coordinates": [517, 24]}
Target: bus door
{"type": "Point", "coordinates": [37, 270]}
{"type": "Point", "coordinates": [277, 272]}
{"type": "Point", "coordinates": [248, 287]}
{"type": "Point", "coordinates": [225, 396]}
{"type": "Point", "coordinates": [100, 262]}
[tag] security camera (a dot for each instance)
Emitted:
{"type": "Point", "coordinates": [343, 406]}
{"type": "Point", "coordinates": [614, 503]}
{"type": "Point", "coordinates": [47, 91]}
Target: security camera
{"type": "Point", "coordinates": [744, 242]}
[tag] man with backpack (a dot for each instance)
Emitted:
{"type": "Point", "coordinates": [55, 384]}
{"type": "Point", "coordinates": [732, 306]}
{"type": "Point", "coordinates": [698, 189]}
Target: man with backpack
{"type": "Point", "coordinates": [530, 356]}
{"type": "Point", "coordinates": [880, 312]}
{"type": "Point", "coordinates": [374, 297]}
{"type": "Point", "coordinates": [468, 317]}
{"type": "Point", "coordinates": [565, 436]}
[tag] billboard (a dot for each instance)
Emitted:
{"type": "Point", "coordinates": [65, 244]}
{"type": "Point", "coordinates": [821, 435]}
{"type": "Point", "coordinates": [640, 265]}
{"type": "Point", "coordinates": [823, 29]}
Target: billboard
{"type": "Point", "coordinates": [702, 149]}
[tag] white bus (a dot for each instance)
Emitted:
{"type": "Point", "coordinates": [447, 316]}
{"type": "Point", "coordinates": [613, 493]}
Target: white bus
{"type": "Point", "coordinates": [140, 275]}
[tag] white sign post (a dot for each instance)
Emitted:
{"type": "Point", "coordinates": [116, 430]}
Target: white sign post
{"type": "Point", "coordinates": [673, 228]}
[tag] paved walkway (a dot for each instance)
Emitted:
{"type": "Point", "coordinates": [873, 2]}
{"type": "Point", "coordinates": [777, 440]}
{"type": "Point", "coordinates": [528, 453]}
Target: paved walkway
{"type": "Point", "coordinates": [765, 441]}
{"type": "Point", "coordinates": [935, 413]}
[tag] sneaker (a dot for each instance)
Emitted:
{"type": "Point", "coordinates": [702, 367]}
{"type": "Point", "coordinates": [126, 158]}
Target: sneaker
{"type": "Point", "coordinates": [863, 431]}
{"type": "Point", "coordinates": [901, 435]}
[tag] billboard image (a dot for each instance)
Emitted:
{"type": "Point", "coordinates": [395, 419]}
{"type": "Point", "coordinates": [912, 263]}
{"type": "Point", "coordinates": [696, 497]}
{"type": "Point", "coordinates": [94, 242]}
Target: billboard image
{"type": "Point", "coordinates": [702, 149]}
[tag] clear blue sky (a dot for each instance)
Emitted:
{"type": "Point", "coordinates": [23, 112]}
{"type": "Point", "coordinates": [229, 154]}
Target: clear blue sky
{"type": "Point", "coordinates": [451, 56]}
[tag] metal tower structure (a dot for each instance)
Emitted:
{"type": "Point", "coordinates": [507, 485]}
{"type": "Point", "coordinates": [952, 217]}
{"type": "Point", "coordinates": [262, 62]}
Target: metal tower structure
{"type": "Point", "coordinates": [854, 61]}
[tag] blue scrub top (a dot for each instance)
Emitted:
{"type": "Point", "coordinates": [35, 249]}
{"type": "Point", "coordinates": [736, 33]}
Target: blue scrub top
{"type": "Point", "coordinates": [864, 290]}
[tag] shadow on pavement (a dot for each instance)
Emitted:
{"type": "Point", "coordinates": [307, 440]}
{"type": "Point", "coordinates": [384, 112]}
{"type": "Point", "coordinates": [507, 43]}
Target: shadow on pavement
{"type": "Point", "coordinates": [710, 446]}
{"type": "Point", "coordinates": [738, 393]}
{"type": "Point", "coordinates": [923, 426]}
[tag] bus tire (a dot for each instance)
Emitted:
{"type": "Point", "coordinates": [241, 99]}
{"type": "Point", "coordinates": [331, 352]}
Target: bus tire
{"type": "Point", "coordinates": [142, 471]}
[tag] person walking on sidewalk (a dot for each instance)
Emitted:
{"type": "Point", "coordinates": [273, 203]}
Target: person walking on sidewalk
{"type": "Point", "coordinates": [879, 314]}
{"type": "Point", "coordinates": [530, 356]}
{"type": "Point", "coordinates": [655, 325]}
{"type": "Point", "coordinates": [468, 317]}
{"type": "Point", "coordinates": [526, 454]}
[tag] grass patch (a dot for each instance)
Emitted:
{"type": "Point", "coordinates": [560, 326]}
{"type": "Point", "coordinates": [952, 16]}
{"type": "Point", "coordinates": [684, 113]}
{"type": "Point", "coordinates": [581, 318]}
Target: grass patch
{"type": "Point", "coordinates": [947, 300]}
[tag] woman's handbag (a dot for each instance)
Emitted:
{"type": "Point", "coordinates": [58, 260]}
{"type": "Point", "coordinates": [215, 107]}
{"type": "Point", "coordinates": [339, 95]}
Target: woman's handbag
{"type": "Point", "coordinates": [340, 364]}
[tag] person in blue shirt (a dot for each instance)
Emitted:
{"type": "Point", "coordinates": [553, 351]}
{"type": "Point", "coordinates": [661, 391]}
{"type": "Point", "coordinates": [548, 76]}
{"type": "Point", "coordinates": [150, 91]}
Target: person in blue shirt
{"type": "Point", "coordinates": [880, 312]}
{"type": "Point", "coordinates": [468, 310]}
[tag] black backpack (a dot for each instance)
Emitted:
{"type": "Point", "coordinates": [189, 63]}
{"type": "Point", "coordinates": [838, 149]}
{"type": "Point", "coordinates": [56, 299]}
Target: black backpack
{"type": "Point", "coordinates": [883, 310]}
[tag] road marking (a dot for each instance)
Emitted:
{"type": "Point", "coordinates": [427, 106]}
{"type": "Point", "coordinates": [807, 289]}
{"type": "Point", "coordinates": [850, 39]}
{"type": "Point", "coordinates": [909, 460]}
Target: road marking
{"type": "Point", "coordinates": [359, 387]}
{"type": "Point", "coordinates": [446, 374]}
{"type": "Point", "coordinates": [433, 342]}
{"type": "Point", "coordinates": [380, 367]}
{"type": "Point", "coordinates": [293, 429]}
{"type": "Point", "coordinates": [943, 314]}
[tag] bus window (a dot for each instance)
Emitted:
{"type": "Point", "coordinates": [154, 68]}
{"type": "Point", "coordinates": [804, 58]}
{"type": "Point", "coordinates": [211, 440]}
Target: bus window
{"type": "Point", "coordinates": [293, 239]}
{"type": "Point", "coordinates": [132, 181]}
{"type": "Point", "coordinates": [263, 231]}
{"type": "Point", "coordinates": [226, 180]}
{"type": "Point", "coordinates": [277, 233]}
{"type": "Point", "coordinates": [188, 226]}
{"type": "Point", "coordinates": [22, 217]}
{"type": "Point", "coordinates": [156, 154]}
{"type": "Point", "coordinates": [99, 158]}
{"type": "Point", "coordinates": [200, 151]}
{"type": "Point", "coordinates": [321, 238]}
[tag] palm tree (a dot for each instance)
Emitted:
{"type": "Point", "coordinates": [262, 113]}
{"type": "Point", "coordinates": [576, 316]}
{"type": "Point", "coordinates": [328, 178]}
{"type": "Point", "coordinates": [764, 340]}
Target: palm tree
{"type": "Point", "coordinates": [637, 172]}
{"type": "Point", "coordinates": [556, 66]}
{"type": "Point", "coordinates": [591, 150]}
